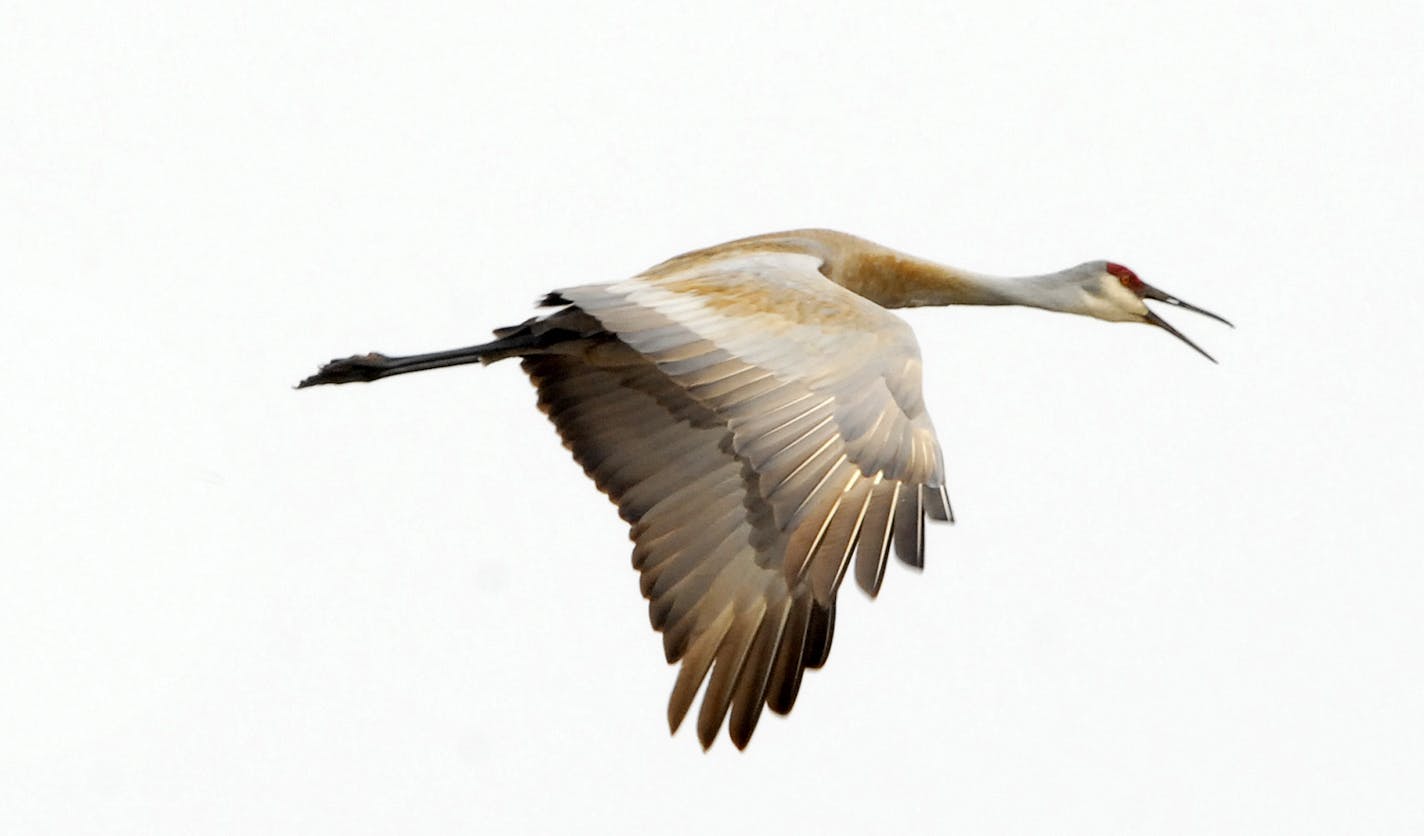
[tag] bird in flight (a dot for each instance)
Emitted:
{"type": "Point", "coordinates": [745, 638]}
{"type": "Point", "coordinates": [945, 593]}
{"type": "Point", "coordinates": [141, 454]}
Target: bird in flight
{"type": "Point", "coordinates": [754, 411]}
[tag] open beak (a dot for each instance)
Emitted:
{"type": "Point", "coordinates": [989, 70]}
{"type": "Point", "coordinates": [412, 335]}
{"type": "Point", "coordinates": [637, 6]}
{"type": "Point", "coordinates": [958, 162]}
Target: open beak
{"type": "Point", "coordinates": [1150, 292]}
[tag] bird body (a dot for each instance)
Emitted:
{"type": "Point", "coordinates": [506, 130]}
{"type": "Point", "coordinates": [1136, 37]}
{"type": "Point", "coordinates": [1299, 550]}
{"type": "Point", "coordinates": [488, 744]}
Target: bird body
{"type": "Point", "coordinates": [754, 410]}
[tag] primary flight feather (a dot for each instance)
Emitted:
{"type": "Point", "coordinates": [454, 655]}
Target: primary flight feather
{"type": "Point", "coordinates": [754, 410]}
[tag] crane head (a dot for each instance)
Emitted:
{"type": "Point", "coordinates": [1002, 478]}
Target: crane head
{"type": "Point", "coordinates": [1117, 294]}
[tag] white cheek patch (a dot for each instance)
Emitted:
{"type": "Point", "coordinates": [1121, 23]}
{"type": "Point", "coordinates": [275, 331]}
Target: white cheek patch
{"type": "Point", "coordinates": [1115, 303]}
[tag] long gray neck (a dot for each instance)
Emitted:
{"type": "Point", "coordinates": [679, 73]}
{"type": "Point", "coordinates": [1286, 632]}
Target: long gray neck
{"type": "Point", "coordinates": [896, 280]}
{"type": "Point", "coordinates": [1050, 291]}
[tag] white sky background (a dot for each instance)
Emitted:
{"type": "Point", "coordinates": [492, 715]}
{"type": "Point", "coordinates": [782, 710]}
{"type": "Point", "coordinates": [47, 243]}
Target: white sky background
{"type": "Point", "coordinates": [1182, 598]}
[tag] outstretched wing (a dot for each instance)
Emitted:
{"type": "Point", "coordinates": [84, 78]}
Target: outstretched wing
{"type": "Point", "coordinates": [758, 427]}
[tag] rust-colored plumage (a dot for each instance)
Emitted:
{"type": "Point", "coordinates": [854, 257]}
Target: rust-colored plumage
{"type": "Point", "coordinates": [754, 411]}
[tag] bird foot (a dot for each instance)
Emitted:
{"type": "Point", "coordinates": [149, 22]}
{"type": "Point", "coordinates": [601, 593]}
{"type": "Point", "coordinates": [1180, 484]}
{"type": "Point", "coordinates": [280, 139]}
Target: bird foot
{"type": "Point", "coordinates": [361, 368]}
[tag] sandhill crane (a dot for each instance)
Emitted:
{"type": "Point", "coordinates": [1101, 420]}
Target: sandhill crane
{"type": "Point", "coordinates": [754, 411]}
